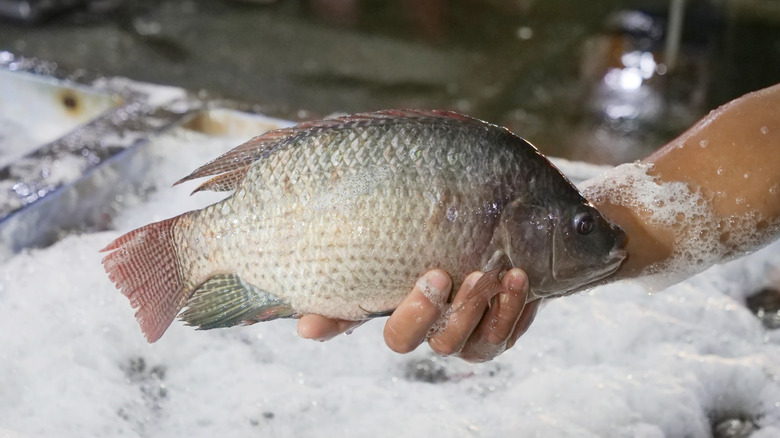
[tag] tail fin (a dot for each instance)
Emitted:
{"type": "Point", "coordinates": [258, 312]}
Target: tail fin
{"type": "Point", "coordinates": [144, 266]}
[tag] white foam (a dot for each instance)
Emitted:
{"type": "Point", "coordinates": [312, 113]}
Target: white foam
{"type": "Point", "coordinates": [433, 294]}
{"type": "Point", "coordinates": [441, 323]}
{"type": "Point", "coordinates": [614, 362]}
{"type": "Point", "coordinates": [701, 237]}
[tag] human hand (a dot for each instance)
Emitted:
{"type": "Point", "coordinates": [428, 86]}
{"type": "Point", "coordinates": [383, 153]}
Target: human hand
{"type": "Point", "coordinates": [470, 328]}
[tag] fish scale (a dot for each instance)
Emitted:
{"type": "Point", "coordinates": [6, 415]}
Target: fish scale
{"type": "Point", "coordinates": [340, 217]}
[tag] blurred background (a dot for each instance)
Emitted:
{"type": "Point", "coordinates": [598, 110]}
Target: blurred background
{"type": "Point", "coordinates": [599, 81]}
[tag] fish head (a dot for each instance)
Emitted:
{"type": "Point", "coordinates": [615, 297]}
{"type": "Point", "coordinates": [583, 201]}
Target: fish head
{"type": "Point", "coordinates": [562, 247]}
{"type": "Point", "coordinates": [586, 247]}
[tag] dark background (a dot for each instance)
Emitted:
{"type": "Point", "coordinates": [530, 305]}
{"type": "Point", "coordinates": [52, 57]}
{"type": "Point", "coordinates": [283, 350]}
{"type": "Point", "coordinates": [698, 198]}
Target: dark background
{"type": "Point", "coordinates": [582, 80]}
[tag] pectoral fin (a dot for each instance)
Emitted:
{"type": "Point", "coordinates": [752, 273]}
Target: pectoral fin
{"type": "Point", "coordinates": [489, 285]}
{"type": "Point", "coordinates": [226, 300]}
{"type": "Point", "coordinates": [499, 260]}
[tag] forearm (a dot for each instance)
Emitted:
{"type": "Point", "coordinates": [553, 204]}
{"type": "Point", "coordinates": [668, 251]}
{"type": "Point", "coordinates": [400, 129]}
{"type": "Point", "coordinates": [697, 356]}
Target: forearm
{"type": "Point", "coordinates": [712, 193]}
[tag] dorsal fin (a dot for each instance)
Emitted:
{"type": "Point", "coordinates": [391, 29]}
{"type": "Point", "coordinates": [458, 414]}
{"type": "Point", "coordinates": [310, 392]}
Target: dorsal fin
{"type": "Point", "coordinates": [384, 115]}
{"type": "Point", "coordinates": [224, 182]}
{"type": "Point", "coordinates": [232, 166]}
{"type": "Point", "coordinates": [241, 157]}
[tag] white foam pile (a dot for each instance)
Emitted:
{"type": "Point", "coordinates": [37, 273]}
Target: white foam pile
{"type": "Point", "coordinates": [615, 361]}
{"type": "Point", "coordinates": [702, 237]}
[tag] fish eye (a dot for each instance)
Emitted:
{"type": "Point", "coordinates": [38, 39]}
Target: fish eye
{"type": "Point", "coordinates": [584, 222]}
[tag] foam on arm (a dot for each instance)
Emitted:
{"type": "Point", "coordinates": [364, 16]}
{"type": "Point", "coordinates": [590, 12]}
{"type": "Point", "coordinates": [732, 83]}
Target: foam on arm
{"type": "Point", "coordinates": [708, 196]}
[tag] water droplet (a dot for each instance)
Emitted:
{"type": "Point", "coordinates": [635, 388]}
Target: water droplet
{"type": "Point", "coordinates": [775, 189]}
{"type": "Point", "coordinates": [452, 213]}
{"type": "Point", "coordinates": [703, 143]}
{"type": "Point", "coordinates": [747, 175]}
{"type": "Point", "coordinates": [719, 171]}
{"type": "Point", "coordinates": [764, 130]}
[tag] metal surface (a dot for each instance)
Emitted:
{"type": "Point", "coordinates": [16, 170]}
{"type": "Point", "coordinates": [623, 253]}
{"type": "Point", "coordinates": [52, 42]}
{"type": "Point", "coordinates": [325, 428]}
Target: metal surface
{"type": "Point", "coordinates": [82, 143]}
{"type": "Point", "coordinates": [36, 109]}
{"type": "Point", "coordinates": [66, 178]}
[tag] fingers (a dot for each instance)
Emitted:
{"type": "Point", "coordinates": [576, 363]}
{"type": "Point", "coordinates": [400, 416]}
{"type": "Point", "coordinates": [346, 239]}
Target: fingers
{"type": "Point", "coordinates": [408, 326]}
{"type": "Point", "coordinates": [321, 328]}
{"type": "Point", "coordinates": [470, 329]}
{"type": "Point", "coordinates": [462, 319]}
{"type": "Point", "coordinates": [491, 337]}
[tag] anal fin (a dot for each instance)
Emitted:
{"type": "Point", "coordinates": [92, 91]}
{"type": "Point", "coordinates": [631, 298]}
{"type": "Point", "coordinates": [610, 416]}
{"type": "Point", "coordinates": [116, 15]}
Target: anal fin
{"type": "Point", "coordinates": [225, 300]}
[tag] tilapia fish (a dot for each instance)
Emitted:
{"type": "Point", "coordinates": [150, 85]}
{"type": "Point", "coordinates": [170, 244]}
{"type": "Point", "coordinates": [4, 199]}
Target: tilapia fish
{"type": "Point", "coordinates": [339, 217]}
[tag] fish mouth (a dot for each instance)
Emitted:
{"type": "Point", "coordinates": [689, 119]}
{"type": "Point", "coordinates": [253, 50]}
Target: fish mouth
{"type": "Point", "coordinates": [613, 261]}
{"type": "Point", "coordinates": [610, 263]}
{"type": "Point", "coordinates": [618, 254]}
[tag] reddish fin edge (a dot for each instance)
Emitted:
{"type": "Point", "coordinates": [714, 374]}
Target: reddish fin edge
{"type": "Point", "coordinates": [143, 264]}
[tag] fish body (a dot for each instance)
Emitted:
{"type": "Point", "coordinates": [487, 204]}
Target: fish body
{"type": "Point", "coordinates": [339, 217]}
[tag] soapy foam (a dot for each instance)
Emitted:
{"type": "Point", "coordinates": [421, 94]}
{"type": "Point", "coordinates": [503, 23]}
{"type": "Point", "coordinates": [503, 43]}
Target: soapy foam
{"type": "Point", "coordinates": [615, 361]}
{"type": "Point", "coordinates": [433, 294]}
{"type": "Point", "coordinates": [701, 238]}
{"type": "Point", "coordinates": [441, 323]}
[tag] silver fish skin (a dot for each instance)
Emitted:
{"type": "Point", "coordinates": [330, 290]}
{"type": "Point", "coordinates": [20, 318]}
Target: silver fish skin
{"type": "Point", "coordinates": [339, 217]}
